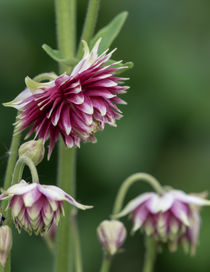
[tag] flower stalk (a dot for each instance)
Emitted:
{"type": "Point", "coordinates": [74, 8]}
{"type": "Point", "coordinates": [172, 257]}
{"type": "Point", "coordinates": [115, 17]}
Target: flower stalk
{"type": "Point", "coordinates": [150, 244]}
{"type": "Point", "coordinates": [90, 23]}
{"type": "Point", "coordinates": [150, 255]}
{"type": "Point", "coordinates": [66, 38]}
{"type": "Point", "coordinates": [106, 263]}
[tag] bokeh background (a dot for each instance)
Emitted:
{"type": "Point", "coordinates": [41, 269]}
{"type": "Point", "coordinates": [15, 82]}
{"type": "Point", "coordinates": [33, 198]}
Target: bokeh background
{"type": "Point", "coordinates": [165, 130]}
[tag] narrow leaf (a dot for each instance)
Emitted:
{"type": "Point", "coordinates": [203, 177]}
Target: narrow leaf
{"type": "Point", "coordinates": [57, 56]}
{"type": "Point", "coordinates": [109, 32]}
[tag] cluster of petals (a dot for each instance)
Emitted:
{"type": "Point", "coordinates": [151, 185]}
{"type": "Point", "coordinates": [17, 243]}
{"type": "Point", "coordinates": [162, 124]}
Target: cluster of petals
{"type": "Point", "coordinates": [74, 106]}
{"type": "Point", "coordinates": [171, 218]}
{"type": "Point", "coordinates": [36, 207]}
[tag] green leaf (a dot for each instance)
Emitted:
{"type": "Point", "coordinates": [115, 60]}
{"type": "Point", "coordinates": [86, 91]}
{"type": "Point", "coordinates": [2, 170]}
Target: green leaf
{"type": "Point", "coordinates": [57, 56]}
{"type": "Point", "coordinates": [109, 32]}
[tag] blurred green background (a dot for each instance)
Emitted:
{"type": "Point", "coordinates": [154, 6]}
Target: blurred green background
{"type": "Point", "coordinates": [165, 130]}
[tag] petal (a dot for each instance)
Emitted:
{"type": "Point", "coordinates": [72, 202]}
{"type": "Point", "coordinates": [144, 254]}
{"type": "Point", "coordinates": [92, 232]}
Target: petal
{"type": "Point", "coordinates": [133, 204]}
{"type": "Point", "coordinates": [160, 203]}
{"type": "Point", "coordinates": [31, 197]}
{"type": "Point", "coordinates": [55, 193]}
{"type": "Point", "coordinates": [139, 216]}
{"type": "Point", "coordinates": [17, 102]}
{"type": "Point", "coordinates": [190, 199]}
{"type": "Point", "coordinates": [181, 211]}
{"type": "Point", "coordinates": [21, 188]}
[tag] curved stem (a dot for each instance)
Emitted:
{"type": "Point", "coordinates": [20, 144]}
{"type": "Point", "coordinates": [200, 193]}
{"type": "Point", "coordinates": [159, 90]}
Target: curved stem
{"type": "Point", "coordinates": [90, 23]}
{"type": "Point", "coordinates": [106, 263]}
{"type": "Point", "coordinates": [150, 255]}
{"type": "Point", "coordinates": [12, 157]}
{"type": "Point", "coordinates": [19, 167]}
{"type": "Point", "coordinates": [8, 177]}
{"type": "Point", "coordinates": [128, 182]}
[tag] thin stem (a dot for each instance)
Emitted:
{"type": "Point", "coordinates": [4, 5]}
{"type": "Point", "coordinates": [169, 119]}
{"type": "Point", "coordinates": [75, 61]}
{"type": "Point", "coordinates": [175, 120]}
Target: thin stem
{"type": "Point", "coordinates": [90, 23]}
{"type": "Point", "coordinates": [8, 177]}
{"type": "Point", "coordinates": [19, 167]}
{"type": "Point", "coordinates": [128, 182]}
{"type": "Point", "coordinates": [12, 157]}
{"type": "Point", "coordinates": [106, 263]}
{"type": "Point", "coordinates": [75, 231]}
{"type": "Point", "coordinates": [150, 255]}
{"type": "Point", "coordinates": [66, 37]}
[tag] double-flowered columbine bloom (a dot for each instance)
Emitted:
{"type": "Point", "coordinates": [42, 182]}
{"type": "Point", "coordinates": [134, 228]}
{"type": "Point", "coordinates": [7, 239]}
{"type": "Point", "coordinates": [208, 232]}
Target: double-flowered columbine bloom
{"type": "Point", "coordinates": [111, 234]}
{"type": "Point", "coordinates": [74, 106]}
{"type": "Point", "coordinates": [171, 218]}
{"type": "Point", "coordinates": [36, 207]}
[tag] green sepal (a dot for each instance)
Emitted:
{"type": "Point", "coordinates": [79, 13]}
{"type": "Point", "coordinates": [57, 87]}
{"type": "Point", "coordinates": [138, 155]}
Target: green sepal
{"type": "Point", "coordinates": [45, 76]}
{"type": "Point", "coordinates": [58, 56]}
{"type": "Point", "coordinates": [109, 32]}
{"type": "Point", "coordinates": [33, 85]}
{"type": "Point", "coordinates": [124, 66]}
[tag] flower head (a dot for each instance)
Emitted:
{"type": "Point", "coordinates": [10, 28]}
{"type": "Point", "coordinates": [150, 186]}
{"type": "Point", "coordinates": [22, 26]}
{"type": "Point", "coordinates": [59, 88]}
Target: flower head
{"type": "Point", "coordinates": [32, 149]}
{"type": "Point", "coordinates": [5, 243]}
{"type": "Point", "coordinates": [74, 106]}
{"type": "Point", "coordinates": [36, 207]}
{"type": "Point", "coordinates": [170, 218]}
{"type": "Point", "coordinates": [112, 235]}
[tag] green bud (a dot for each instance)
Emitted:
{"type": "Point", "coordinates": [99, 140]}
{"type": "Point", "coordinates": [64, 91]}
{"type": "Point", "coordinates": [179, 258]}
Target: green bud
{"type": "Point", "coordinates": [33, 150]}
{"type": "Point", "coordinates": [5, 244]}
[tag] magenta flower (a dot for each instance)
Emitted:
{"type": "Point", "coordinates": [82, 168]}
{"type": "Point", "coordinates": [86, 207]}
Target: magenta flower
{"type": "Point", "coordinates": [74, 106]}
{"type": "Point", "coordinates": [170, 218]}
{"type": "Point", "coordinates": [36, 207]}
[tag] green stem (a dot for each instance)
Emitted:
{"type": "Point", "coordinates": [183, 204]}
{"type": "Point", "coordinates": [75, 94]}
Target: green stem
{"type": "Point", "coordinates": [90, 23]}
{"type": "Point", "coordinates": [106, 263]}
{"type": "Point", "coordinates": [150, 255]}
{"type": "Point", "coordinates": [19, 167]}
{"type": "Point", "coordinates": [8, 177]}
{"type": "Point", "coordinates": [12, 158]}
{"type": "Point", "coordinates": [128, 182]}
{"type": "Point", "coordinates": [66, 37]}
{"type": "Point", "coordinates": [78, 254]}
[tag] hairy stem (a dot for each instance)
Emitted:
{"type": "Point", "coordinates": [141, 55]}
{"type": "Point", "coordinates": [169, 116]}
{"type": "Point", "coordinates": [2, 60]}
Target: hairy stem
{"type": "Point", "coordinates": [66, 37]}
{"type": "Point", "coordinates": [90, 23]}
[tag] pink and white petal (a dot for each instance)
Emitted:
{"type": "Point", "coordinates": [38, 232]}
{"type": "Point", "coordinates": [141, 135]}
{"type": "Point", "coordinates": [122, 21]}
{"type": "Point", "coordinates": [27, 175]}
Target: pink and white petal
{"type": "Point", "coordinates": [181, 212]}
{"type": "Point", "coordinates": [16, 205]}
{"type": "Point", "coordinates": [190, 199]}
{"type": "Point", "coordinates": [55, 193]}
{"type": "Point", "coordinates": [139, 217]}
{"type": "Point", "coordinates": [133, 204]}
{"type": "Point", "coordinates": [17, 102]}
{"type": "Point", "coordinates": [21, 188]}
{"type": "Point", "coordinates": [160, 203]}
{"type": "Point", "coordinates": [31, 197]}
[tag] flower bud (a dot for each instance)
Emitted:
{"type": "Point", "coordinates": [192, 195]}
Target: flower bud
{"type": "Point", "coordinates": [5, 243]}
{"type": "Point", "coordinates": [33, 150]}
{"type": "Point", "coordinates": [112, 235]}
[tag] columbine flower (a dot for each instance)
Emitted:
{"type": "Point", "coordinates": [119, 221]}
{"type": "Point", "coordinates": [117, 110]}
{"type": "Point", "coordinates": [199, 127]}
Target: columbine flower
{"type": "Point", "coordinates": [74, 106]}
{"type": "Point", "coordinates": [5, 244]}
{"type": "Point", "coordinates": [112, 235]}
{"type": "Point", "coordinates": [170, 218]}
{"type": "Point", "coordinates": [36, 207]}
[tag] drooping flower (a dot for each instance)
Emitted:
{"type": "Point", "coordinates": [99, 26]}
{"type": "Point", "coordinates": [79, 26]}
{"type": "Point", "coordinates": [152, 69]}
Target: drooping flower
{"type": "Point", "coordinates": [36, 207]}
{"type": "Point", "coordinates": [170, 218]}
{"type": "Point", "coordinates": [74, 106]}
{"type": "Point", "coordinates": [111, 234]}
{"type": "Point", "coordinates": [5, 243]}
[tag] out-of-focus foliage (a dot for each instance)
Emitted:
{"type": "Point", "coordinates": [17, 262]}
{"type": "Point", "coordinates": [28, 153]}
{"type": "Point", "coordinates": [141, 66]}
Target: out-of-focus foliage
{"type": "Point", "coordinates": [165, 130]}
